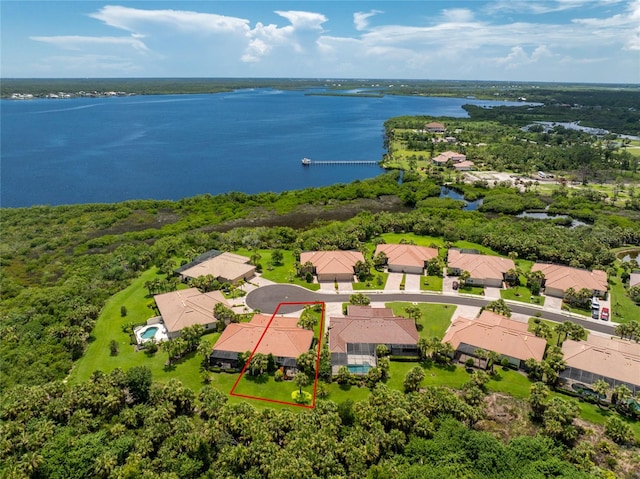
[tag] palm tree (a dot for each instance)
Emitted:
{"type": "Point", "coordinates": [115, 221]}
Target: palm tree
{"type": "Point", "coordinates": [492, 359]}
{"type": "Point", "coordinates": [481, 354]}
{"type": "Point", "coordinates": [563, 330]}
{"type": "Point", "coordinates": [601, 388]}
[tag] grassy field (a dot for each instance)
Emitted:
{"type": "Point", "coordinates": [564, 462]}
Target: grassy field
{"type": "Point", "coordinates": [431, 283]}
{"type": "Point", "coordinates": [435, 317]}
{"type": "Point", "coordinates": [283, 273]}
{"type": "Point", "coordinates": [377, 281]}
{"type": "Point", "coordinates": [522, 294]}
{"type": "Point", "coordinates": [467, 289]}
{"type": "Point", "coordinates": [109, 327]}
{"type": "Point", "coordinates": [622, 307]}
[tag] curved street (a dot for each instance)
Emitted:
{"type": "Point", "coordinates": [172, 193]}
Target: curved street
{"type": "Point", "coordinates": [267, 298]}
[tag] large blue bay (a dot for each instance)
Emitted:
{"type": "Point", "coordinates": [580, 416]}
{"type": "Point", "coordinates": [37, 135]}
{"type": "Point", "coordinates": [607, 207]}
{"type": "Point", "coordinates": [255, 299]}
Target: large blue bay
{"type": "Point", "coordinates": [89, 150]}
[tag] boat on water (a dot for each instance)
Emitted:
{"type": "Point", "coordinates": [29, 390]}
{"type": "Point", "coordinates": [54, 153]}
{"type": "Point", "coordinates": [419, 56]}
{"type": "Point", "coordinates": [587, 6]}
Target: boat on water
{"type": "Point", "coordinates": [306, 161]}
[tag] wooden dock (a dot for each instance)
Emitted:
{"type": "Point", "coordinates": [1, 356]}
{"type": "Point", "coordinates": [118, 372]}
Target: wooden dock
{"type": "Point", "coordinates": [340, 162]}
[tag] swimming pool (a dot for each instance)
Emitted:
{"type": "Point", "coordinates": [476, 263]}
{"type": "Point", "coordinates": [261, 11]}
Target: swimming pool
{"type": "Point", "coordinates": [152, 332]}
{"type": "Point", "coordinates": [149, 332]}
{"type": "Point", "coordinates": [359, 368]}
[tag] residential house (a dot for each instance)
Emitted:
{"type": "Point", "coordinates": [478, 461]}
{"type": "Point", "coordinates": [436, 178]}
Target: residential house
{"type": "Point", "coordinates": [484, 270]}
{"type": "Point", "coordinates": [187, 307]}
{"type": "Point", "coordinates": [353, 339]}
{"type": "Point", "coordinates": [613, 360]}
{"type": "Point", "coordinates": [634, 279]}
{"type": "Point", "coordinates": [558, 279]}
{"type": "Point", "coordinates": [435, 127]}
{"type": "Point", "coordinates": [332, 265]}
{"type": "Point", "coordinates": [406, 258]}
{"type": "Point", "coordinates": [282, 338]}
{"type": "Point", "coordinates": [225, 267]}
{"type": "Point", "coordinates": [463, 165]}
{"type": "Point", "coordinates": [447, 156]}
{"type": "Point", "coordinates": [494, 332]}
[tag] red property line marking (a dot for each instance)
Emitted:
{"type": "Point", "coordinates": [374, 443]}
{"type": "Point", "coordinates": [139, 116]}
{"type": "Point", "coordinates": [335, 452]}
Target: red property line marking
{"type": "Point", "coordinates": [319, 349]}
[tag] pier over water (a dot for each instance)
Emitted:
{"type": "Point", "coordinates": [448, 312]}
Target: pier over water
{"type": "Point", "coordinates": [308, 162]}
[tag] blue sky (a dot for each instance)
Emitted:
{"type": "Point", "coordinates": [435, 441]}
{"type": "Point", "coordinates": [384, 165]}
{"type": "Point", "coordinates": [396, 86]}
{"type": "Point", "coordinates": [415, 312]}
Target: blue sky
{"type": "Point", "coordinates": [590, 41]}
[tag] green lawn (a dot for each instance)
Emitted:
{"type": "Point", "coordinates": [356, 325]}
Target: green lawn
{"type": "Point", "coordinates": [394, 238]}
{"type": "Point", "coordinates": [435, 317]}
{"type": "Point", "coordinates": [431, 283]}
{"type": "Point", "coordinates": [522, 294]}
{"type": "Point", "coordinates": [551, 341]}
{"type": "Point", "coordinates": [467, 289]}
{"type": "Point", "coordinates": [267, 388]}
{"type": "Point", "coordinates": [377, 281]}
{"type": "Point", "coordinates": [623, 308]}
{"type": "Point", "coordinates": [109, 326]}
{"type": "Point", "coordinates": [284, 273]}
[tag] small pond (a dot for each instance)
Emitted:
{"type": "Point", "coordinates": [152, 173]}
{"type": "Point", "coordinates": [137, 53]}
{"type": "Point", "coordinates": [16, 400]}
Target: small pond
{"type": "Point", "coordinates": [454, 195]}
{"type": "Point", "coordinates": [547, 216]}
{"type": "Point", "coordinates": [629, 255]}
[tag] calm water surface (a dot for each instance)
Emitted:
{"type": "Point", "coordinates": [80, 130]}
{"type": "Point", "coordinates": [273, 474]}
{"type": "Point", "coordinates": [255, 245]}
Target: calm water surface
{"type": "Point", "coordinates": [86, 150]}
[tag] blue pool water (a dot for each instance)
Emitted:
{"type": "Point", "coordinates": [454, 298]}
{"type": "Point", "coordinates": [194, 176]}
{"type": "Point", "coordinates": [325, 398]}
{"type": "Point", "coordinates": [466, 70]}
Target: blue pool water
{"type": "Point", "coordinates": [359, 368]}
{"type": "Point", "coordinates": [149, 333]}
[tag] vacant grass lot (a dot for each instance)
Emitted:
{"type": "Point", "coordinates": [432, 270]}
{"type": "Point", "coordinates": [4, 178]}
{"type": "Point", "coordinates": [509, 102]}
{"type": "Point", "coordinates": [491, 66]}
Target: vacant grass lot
{"type": "Point", "coordinates": [282, 273]}
{"type": "Point", "coordinates": [435, 317]}
{"type": "Point", "coordinates": [622, 307]}
{"type": "Point", "coordinates": [431, 283]}
{"type": "Point", "coordinates": [522, 294]}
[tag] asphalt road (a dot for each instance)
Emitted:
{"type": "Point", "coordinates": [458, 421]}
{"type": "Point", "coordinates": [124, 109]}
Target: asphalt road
{"type": "Point", "coordinates": [268, 298]}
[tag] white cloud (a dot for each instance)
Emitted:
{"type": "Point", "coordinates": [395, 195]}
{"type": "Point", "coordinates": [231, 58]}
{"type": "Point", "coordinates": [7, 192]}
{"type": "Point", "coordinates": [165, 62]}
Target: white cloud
{"type": "Point", "coordinates": [361, 19]}
{"type": "Point", "coordinates": [137, 20]}
{"type": "Point", "coordinates": [458, 15]}
{"type": "Point", "coordinates": [542, 7]}
{"type": "Point", "coordinates": [78, 42]}
{"type": "Point", "coordinates": [303, 20]}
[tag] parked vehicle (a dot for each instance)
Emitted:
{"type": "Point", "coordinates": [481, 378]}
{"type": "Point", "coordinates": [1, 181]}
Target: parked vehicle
{"type": "Point", "coordinates": [604, 315]}
{"type": "Point", "coordinates": [595, 314]}
{"type": "Point", "coordinates": [454, 285]}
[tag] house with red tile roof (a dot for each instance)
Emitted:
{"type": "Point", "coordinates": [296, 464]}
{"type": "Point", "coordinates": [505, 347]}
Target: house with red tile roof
{"type": "Point", "coordinates": [446, 156]}
{"type": "Point", "coordinates": [613, 360]}
{"type": "Point", "coordinates": [406, 258]}
{"type": "Point", "coordinates": [353, 339]}
{"type": "Point", "coordinates": [494, 332]}
{"type": "Point", "coordinates": [464, 165]}
{"type": "Point", "coordinates": [435, 127]}
{"type": "Point", "coordinates": [283, 338]}
{"type": "Point", "coordinates": [225, 267]}
{"type": "Point", "coordinates": [187, 307]}
{"type": "Point", "coordinates": [332, 265]}
{"type": "Point", "coordinates": [558, 279]}
{"type": "Point", "coordinates": [485, 270]}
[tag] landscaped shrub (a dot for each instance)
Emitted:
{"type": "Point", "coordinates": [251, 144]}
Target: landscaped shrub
{"type": "Point", "coordinates": [113, 347]}
{"type": "Point", "coordinates": [278, 376]}
{"type": "Point", "coordinates": [123, 311]}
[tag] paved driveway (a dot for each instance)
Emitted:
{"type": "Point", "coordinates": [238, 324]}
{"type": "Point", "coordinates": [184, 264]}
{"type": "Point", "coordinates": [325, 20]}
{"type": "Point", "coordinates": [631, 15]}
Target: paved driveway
{"type": "Point", "coordinates": [492, 292]}
{"type": "Point", "coordinates": [393, 282]}
{"type": "Point", "coordinates": [447, 282]}
{"type": "Point", "coordinates": [552, 303]}
{"type": "Point", "coordinates": [412, 282]}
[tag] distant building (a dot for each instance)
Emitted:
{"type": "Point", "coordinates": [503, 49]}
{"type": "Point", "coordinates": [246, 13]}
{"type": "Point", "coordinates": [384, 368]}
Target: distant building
{"type": "Point", "coordinates": [332, 265]}
{"type": "Point", "coordinates": [447, 156]}
{"type": "Point", "coordinates": [405, 258]}
{"type": "Point", "coordinates": [634, 279]}
{"type": "Point", "coordinates": [187, 307]}
{"type": "Point", "coordinates": [558, 279]}
{"type": "Point", "coordinates": [494, 332]}
{"type": "Point", "coordinates": [435, 127]}
{"type": "Point", "coordinates": [464, 166]}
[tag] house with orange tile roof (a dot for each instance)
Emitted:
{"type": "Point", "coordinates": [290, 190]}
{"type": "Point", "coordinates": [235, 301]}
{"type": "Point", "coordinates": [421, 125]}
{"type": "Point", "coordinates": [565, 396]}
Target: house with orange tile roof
{"type": "Point", "coordinates": [187, 307]}
{"type": "Point", "coordinates": [446, 156]}
{"type": "Point", "coordinates": [282, 338]}
{"type": "Point", "coordinates": [353, 339]}
{"type": "Point", "coordinates": [406, 258]}
{"type": "Point", "coordinates": [558, 279]}
{"type": "Point", "coordinates": [485, 270]}
{"type": "Point", "coordinates": [613, 360]}
{"type": "Point", "coordinates": [634, 279]}
{"type": "Point", "coordinates": [464, 165]}
{"type": "Point", "coordinates": [494, 332]}
{"type": "Point", "coordinates": [332, 265]}
{"type": "Point", "coordinates": [435, 127]}
{"type": "Point", "coordinates": [225, 267]}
